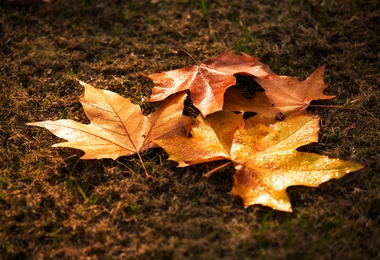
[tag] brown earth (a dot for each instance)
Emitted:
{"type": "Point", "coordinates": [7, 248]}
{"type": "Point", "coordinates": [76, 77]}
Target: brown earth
{"type": "Point", "coordinates": [55, 206]}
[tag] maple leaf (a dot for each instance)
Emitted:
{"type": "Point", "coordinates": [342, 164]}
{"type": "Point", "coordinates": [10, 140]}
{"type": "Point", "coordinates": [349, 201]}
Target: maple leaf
{"type": "Point", "coordinates": [118, 127]}
{"type": "Point", "coordinates": [260, 104]}
{"type": "Point", "coordinates": [291, 95]}
{"type": "Point", "coordinates": [265, 157]}
{"type": "Point", "coordinates": [211, 140]}
{"type": "Point", "coordinates": [206, 82]}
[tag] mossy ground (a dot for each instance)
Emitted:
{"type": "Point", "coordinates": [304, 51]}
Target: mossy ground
{"type": "Point", "coordinates": [55, 206]}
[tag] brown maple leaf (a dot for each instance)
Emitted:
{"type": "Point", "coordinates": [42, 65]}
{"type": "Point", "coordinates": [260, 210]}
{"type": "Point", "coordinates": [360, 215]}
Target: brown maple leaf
{"type": "Point", "coordinates": [206, 82]}
{"type": "Point", "coordinates": [260, 104]}
{"type": "Point", "coordinates": [265, 157]}
{"type": "Point", "coordinates": [283, 95]}
{"type": "Point", "coordinates": [118, 127]}
{"type": "Point", "coordinates": [291, 95]}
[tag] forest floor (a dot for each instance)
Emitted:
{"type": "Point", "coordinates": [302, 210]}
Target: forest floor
{"type": "Point", "coordinates": [55, 206]}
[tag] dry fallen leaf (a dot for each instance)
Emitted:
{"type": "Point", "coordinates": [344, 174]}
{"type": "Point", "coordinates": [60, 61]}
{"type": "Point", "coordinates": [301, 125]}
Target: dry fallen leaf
{"type": "Point", "coordinates": [206, 82]}
{"type": "Point", "coordinates": [291, 95]}
{"type": "Point", "coordinates": [260, 104]}
{"type": "Point", "coordinates": [118, 127]}
{"type": "Point", "coordinates": [265, 157]}
{"type": "Point", "coordinates": [211, 140]}
{"type": "Point", "coordinates": [262, 149]}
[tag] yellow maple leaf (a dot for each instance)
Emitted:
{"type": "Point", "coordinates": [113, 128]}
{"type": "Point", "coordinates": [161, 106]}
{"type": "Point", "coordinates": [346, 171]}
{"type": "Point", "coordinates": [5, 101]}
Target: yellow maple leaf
{"type": "Point", "coordinates": [118, 127]}
{"type": "Point", "coordinates": [265, 157]}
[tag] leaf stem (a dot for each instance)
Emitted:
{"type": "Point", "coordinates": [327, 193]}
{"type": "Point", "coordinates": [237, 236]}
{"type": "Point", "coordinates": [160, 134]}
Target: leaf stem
{"type": "Point", "coordinates": [188, 54]}
{"type": "Point", "coordinates": [337, 107]}
{"type": "Point", "coordinates": [147, 175]}
{"type": "Point", "coordinates": [208, 174]}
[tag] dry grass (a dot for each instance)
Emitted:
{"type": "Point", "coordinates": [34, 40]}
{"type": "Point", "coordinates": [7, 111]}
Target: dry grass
{"type": "Point", "coordinates": [54, 206]}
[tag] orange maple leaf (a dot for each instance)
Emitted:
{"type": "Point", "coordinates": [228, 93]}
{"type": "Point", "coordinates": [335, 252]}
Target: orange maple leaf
{"type": "Point", "coordinates": [118, 127]}
{"type": "Point", "coordinates": [265, 157]}
{"type": "Point", "coordinates": [291, 95]}
{"type": "Point", "coordinates": [282, 94]}
{"type": "Point", "coordinates": [260, 104]}
{"type": "Point", "coordinates": [206, 82]}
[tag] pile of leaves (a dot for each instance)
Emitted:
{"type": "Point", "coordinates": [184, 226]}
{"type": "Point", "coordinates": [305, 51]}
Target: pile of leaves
{"type": "Point", "coordinates": [262, 148]}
